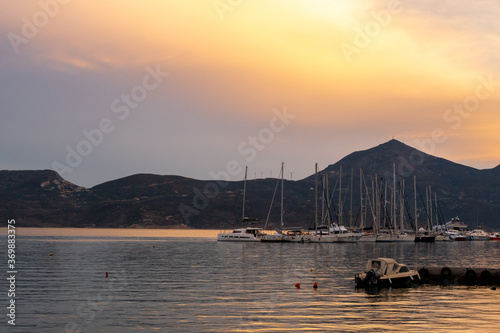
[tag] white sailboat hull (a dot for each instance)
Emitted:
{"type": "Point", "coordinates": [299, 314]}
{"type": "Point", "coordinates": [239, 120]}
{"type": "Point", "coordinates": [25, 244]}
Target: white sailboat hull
{"type": "Point", "coordinates": [368, 239]}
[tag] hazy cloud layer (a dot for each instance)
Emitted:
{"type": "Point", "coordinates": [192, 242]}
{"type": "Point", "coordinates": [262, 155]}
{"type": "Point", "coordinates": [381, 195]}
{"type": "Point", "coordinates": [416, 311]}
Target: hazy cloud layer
{"type": "Point", "coordinates": [353, 73]}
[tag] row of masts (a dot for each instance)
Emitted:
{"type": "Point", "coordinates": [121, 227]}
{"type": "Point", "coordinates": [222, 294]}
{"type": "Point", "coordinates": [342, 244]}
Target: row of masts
{"type": "Point", "coordinates": [375, 203]}
{"type": "Point", "coordinates": [380, 202]}
{"type": "Point", "coordinates": [374, 206]}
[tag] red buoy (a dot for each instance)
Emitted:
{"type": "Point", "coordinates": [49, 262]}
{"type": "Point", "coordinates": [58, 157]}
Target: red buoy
{"type": "Point", "coordinates": [315, 286]}
{"type": "Point", "coordinates": [297, 285]}
{"type": "Point", "coordinates": [106, 274]}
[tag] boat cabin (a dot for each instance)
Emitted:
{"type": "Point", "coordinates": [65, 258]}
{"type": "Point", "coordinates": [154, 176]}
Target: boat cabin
{"type": "Point", "coordinates": [385, 266]}
{"type": "Point", "coordinates": [252, 231]}
{"type": "Point", "coordinates": [295, 232]}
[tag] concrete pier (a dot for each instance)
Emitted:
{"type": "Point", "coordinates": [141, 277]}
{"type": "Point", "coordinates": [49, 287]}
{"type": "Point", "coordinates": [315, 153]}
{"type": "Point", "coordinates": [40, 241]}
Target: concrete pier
{"type": "Point", "coordinates": [470, 276]}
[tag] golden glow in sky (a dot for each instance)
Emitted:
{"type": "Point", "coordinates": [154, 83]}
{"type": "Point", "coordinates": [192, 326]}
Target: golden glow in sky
{"type": "Point", "coordinates": [355, 72]}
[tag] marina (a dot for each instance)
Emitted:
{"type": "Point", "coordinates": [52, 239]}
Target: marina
{"type": "Point", "coordinates": [391, 220]}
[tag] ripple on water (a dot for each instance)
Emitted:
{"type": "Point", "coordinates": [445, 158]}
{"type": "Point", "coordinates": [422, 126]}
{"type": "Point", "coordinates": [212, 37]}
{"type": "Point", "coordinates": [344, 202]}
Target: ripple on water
{"type": "Point", "coordinates": [194, 284]}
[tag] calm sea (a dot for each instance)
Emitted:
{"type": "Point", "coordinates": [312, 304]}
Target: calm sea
{"type": "Point", "coordinates": [186, 281]}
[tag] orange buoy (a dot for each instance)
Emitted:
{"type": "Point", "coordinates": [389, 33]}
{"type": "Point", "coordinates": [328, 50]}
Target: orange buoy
{"type": "Point", "coordinates": [297, 285]}
{"type": "Point", "coordinates": [50, 254]}
{"type": "Point", "coordinates": [315, 286]}
{"type": "Point", "coordinates": [106, 274]}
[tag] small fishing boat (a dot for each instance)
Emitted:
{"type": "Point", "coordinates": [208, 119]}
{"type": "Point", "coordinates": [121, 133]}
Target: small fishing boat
{"type": "Point", "coordinates": [386, 272]}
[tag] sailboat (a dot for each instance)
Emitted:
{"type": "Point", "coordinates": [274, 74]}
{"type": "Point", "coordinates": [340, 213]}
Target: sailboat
{"type": "Point", "coordinates": [421, 234]}
{"type": "Point", "coordinates": [278, 236]}
{"type": "Point", "coordinates": [367, 237]}
{"type": "Point", "coordinates": [244, 234]}
{"type": "Point", "coordinates": [330, 233]}
{"type": "Point", "coordinates": [400, 235]}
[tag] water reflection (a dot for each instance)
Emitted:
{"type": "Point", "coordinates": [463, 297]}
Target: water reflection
{"type": "Point", "coordinates": [199, 285]}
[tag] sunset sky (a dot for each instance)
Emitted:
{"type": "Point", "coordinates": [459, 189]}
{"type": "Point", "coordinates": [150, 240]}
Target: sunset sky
{"type": "Point", "coordinates": [186, 86]}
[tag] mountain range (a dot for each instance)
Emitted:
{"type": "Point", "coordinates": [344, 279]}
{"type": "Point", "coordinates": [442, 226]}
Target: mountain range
{"type": "Point", "coordinates": [42, 198]}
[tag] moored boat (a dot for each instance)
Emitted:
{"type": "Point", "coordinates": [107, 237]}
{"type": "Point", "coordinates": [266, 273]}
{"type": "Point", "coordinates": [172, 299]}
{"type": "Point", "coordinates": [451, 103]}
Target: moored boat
{"type": "Point", "coordinates": [386, 272]}
{"type": "Point", "coordinates": [460, 238]}
{"type": "Point", "coordinates": [424, 235]}
{"type": "Point", "coordinates": [277, 237]}
{"type": "Point", "coordinates": [478, 235]}
{"type": "Point", "coordinates": [248, 234]}
{"type": "Point", "coordinates": [495, 236]}
{"type": "Point", "coordinates": [456, 230]}
{"type": "Point", "coordinates": [296, 235]}
{"type": "Point", "coordinates": [368, 238]}
{"type": "Point", "coordinates": [243, 234]}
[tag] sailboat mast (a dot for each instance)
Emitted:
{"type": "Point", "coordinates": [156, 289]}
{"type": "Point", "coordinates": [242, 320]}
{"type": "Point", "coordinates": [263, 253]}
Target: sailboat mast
{"type": "Point", "coordinates": [415, 194]}
{"type": "Point", "coordinates": [323, 200]}
{"type": "Point", "coordinates": [394, 196]}
{"type": "Point", "coordinates": [384, 206]}
{"type": "Point", "coordinates": [327, 216]}
{"type": "Point", "coordinates": [375, 211]}
{"type": "Point", "coordinates": [429, 221]}
{"type": "Point", "coordinates": [350, 209]}
{"type": "Point", "coordinates": [244, 193]}
{"type": "Point", "coordinates": [340, 196]}
{"type": "Point", "coordinates": [282, 172]}
{"type": "Point", "coordinates": [361, 199]}
{"type": "Point", "coordinates": [316, 197]}
{"type": "Point", "coordinates": [436, 207]}
{"type": "Point", "coordinates": [376, 201]}
{"type": "Point", "coordinates": [401, 204]}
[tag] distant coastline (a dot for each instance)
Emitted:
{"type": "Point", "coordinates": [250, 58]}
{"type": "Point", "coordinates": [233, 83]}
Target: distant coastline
{"type": "Point", "coordinates": [42, 198]}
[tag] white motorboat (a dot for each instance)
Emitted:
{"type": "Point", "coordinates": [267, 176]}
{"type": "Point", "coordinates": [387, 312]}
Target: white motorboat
{"type": "Point", "coordinates": [495, 236]}
{"type": "Point", "coordinates": [386, 272]}
{"type": "Point", "coordinates": [456, 224]}
{"type": "Point", "coordinates": [452, 234]}
{"type": "Point", "coordinates": [248, 234]}
{"type": "Point", "coordinates": [478, 235]}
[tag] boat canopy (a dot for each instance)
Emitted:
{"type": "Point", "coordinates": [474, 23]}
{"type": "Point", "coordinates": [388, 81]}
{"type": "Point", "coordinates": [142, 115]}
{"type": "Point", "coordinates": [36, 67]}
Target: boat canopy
{"type": "Point", "coordinates": [382, 265]}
